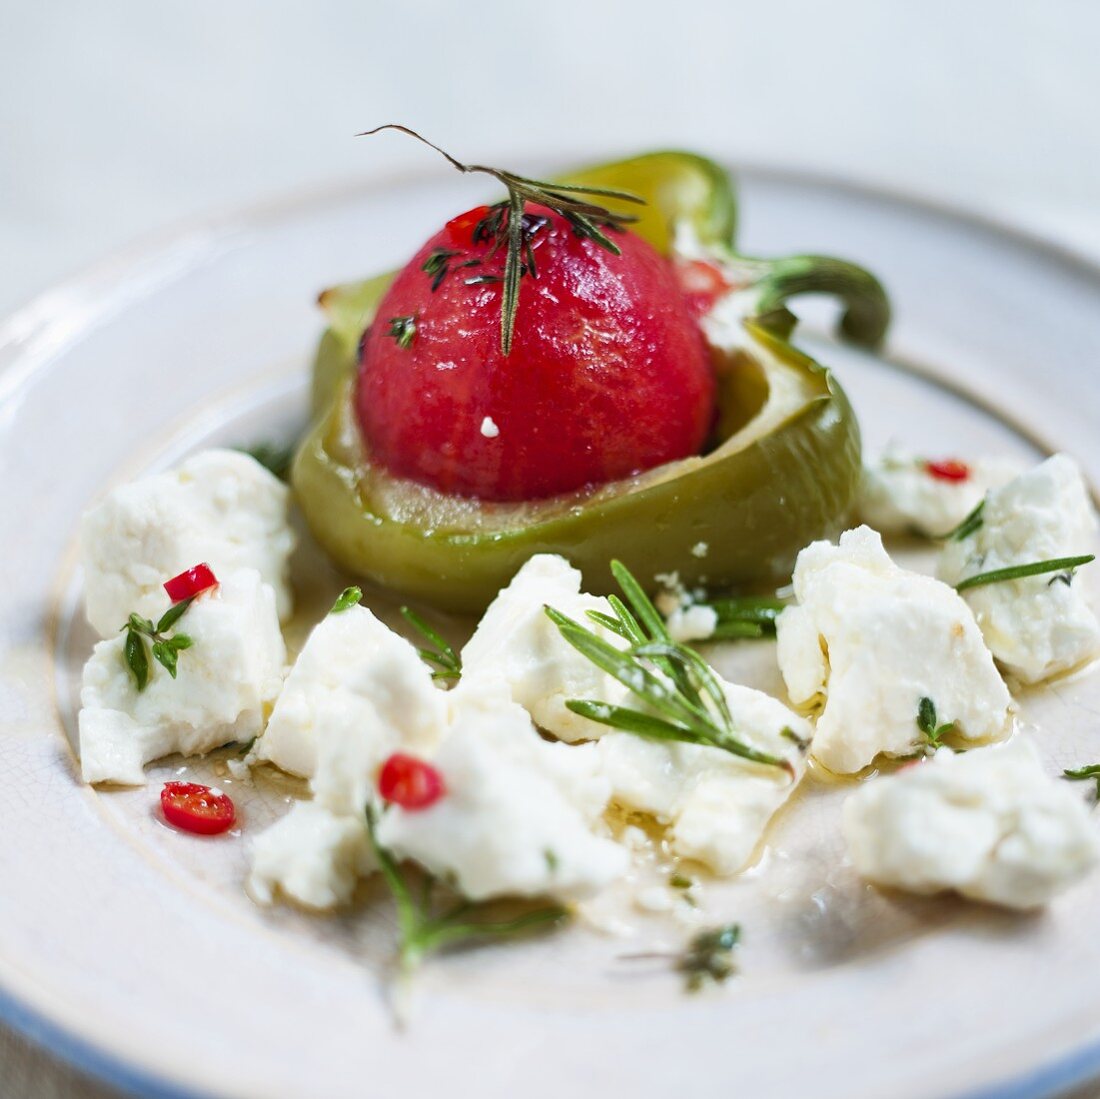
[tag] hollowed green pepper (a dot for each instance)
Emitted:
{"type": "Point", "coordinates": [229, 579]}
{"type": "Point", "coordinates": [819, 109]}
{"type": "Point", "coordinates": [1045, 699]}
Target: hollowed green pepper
{"type": "Point", "coordinates": [782, 469]}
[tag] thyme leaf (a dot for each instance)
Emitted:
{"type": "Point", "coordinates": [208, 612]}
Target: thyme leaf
{"type": "Point", "coordinates": [1018, 572]}
{"type": "Point", "coordinates": [143, 637]}
{"type": "Point", "coordinates": [684, 700]}
{"type": "Point", "coordinates": [403, 330]}
{"type": "Point", "coordinates": [505, 226]}
{"type": "Point", "coordinates": [275, 458]}
{"type": "Point", "coordinates": [439, 651]}
{"type": "Point", "coordinates": [423, 930]}
{"type": "Point", "coordinates": [349, 597]}
{"type": "Point", "coordinates": [438, 265]}
{"type": "Point", "coordinates": [709, 956]}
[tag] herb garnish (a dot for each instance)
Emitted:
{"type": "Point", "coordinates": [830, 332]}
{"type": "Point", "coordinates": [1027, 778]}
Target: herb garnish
{"type": "Point", "coordinates": [745, 616]}
{"type": "Point", "coordinates": [708, 957]}
{"type": "Point", "coordinates": [402, 329]}
{"type": "Point", "coordinates": [967, 527]}
{"type": "Point", "coordinates": [1018, 572]}
{"type": "Point", "coordinates": [928, 723]}
{"type": "Point", "coordinates": [440, 652]}
{"type": "Point", "coordinates": [423, 930]}
{"type": "Point", "coordinates": [349, 597]}
{"type": "Point", "coordinates": [166, 649]}
{"type": "Point", "coordinates": [273, 457]}
{"type": "Point", "coordinates": [1091, 771]}
{"type": "Point", "coordinates": [671, 679]}
{"type": "Point", "coordinates": [438, 265]}
{"type": "Point", "coordinates": [504, 226]}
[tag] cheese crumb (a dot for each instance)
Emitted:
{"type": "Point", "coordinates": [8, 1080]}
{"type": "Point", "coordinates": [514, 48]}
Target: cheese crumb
{"type": "Point", "coordinates": [489, 429]}
{"type": "Point", "coordinates": [700, 549]}
{"type": "Point", "coordinates": [989, 824]}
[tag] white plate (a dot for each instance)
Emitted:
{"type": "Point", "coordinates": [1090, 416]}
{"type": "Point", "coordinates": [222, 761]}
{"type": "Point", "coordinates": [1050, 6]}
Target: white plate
{"type": "Point", "coordinates": [132, 949]}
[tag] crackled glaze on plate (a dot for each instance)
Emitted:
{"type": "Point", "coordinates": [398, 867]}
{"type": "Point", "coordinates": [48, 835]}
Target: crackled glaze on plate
{"type": "Point", "coordinates": [134, 948]}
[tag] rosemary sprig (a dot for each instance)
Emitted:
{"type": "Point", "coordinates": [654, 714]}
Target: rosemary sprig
{"type": "Point", "coordinates": [683, 697]}
{"type": "Point", "coordinates": [424, 930]}
{"type": "Point", "coordinates": [745, 616]}
{"type": "Point", "coordinates": [929, 725]}
{"type": "Point", "coordinates": [165, 649]}
{"type": "Point", "coordinates": [403, 330]}
{"type": "Point", "coordinates": [967, 527]}
{"type": "Point", "coordinates": [438, 652]}
{"type": "Point", "coordinates": [349, 597]}
{"type": "Point", "coordinates": [1090, 771]}
{"type": "Point", "coordinates": [586, 218]}
{"type": "Point", "coordinates": [1018, 572]}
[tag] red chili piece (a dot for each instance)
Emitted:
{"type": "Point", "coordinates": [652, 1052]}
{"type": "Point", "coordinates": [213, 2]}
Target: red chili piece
{"type": "Point", "coordinates": [950, 469]}
{"type": "Point", "coordinates": [462, 227]}
{"type": "Point", "coordinates": [188, 584]}
{"type": "Point", "coordinates": [197, 808]}
{"type": "Point", "coordinates": [410, 782]}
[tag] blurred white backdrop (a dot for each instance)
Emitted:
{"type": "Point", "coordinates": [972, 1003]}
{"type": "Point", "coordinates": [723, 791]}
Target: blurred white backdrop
{"type": "Point", "coordinates": [120, 116]}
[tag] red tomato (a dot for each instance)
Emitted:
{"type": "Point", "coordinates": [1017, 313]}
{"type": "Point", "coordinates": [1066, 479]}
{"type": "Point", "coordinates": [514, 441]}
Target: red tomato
{"type": "Point", "coordinates": [608, 375]}
{"type": "Point", "coordinates": [950, 469]}
{"type": "Point", "coordinates": [197, 579]}
{"type": "Point", "coordinates": [410, 782]}
{"type": "Point", "coordinates": [196, 808]}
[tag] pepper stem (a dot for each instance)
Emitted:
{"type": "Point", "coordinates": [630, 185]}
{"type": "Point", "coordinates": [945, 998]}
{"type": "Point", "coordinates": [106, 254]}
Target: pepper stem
{"type": "Point", "coordinates": [866, 308]}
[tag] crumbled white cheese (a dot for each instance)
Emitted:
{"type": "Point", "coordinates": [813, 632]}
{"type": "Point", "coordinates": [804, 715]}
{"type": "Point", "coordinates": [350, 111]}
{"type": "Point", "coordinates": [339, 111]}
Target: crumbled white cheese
{"type": "Point", "coordinates": [716, 805]}
{"type": "Point", "coordinates": [871, 640]}
{"type": "Point", "coordinates": [354, 673]}
{"type": "Point", "coordinates": [898, 495]}
{"type": "Point", "coordinates": [1038, 626]}
{"type": "Point", "coordinates": [220, 507]}
{"type": "Point", "coordinates": [700, 549]}
{"type": "Point", "coordinates": [225, 680]}
{"type": "Point", "coordinates": [489, 429]}
{"type": "Point", "coordinates": [520, 815]}
{"type": "Point", "coordinates": [695, 622]}
{"type": "Point", "coordinates": [515, 640]}
{"type": "Point", "coordinates": [312, 855]}
{"type": "Point", "coordinates": [990, 824]}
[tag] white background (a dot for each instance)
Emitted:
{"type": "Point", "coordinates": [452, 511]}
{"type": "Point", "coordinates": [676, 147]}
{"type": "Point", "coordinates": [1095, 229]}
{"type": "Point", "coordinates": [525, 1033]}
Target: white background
{"type": "Point", "coordinates": [118, 118]}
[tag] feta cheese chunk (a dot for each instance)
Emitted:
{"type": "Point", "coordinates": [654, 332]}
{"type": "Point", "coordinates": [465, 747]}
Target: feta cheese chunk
{"type": "Point", "coordinates": [899, 495]}
{"type": "Point", "coordinates": [227, 678]}
{"type": "Point", "coordinates": [990, 824]}
{"type": "Point", "coordinates": [1039, 626]}
{"type": "Point", "coordinates": [220, 507]}
{"type": "Point", "coordinates": [870, 640]}
{"type": "Point", "coordinates": [516, 641]}
{"type": "Point", "coordinates": [692, 623]}
{"type": "Point", "coordinates": [312, 855]}
{"type": "Point", "coordinates": [717, 806]}
{"type": "Point", "coordinates": [520, 816]}
{"type": "Point", "coordinates": [353, 674]}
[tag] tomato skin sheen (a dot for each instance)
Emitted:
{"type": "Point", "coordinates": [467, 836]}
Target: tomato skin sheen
{"type": "Point", "coordinates": [609, 373]}
{"type": "Point", "coordinates": [192, 807]}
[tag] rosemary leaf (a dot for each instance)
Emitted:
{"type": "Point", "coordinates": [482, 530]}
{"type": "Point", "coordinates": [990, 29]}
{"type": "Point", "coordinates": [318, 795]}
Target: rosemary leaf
{"type": "Point", "coordinates": [349, 597]}
{"type": "Point", "coordinates": [1019, 572]}
{"type": "Point", "coordinates": [967, 527]}
{"type": "Point", "coordinates": [441, 653]}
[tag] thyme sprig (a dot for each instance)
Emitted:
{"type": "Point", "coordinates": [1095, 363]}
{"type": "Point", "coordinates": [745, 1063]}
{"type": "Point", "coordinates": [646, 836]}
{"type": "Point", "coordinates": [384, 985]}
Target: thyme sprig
{"type": "Point", "coordinates": [684, 699]}
{"type": "Point", "coordinates": [707, 958]}
{"type": "Point", "coordinates": [928, 723]}
{"type": "Point", "coordinates": [141, 632]}
{"type": "Point", "coordinates": [424, 930]}
{"type": "Point", "coordinates": [1032, 568]}
{"type": "Point", "coordinates": [507, 229]}
{"type": "Point", "coordinates": [438, 652]}
{"type": "Point", "coordinates": [1092, 770]}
